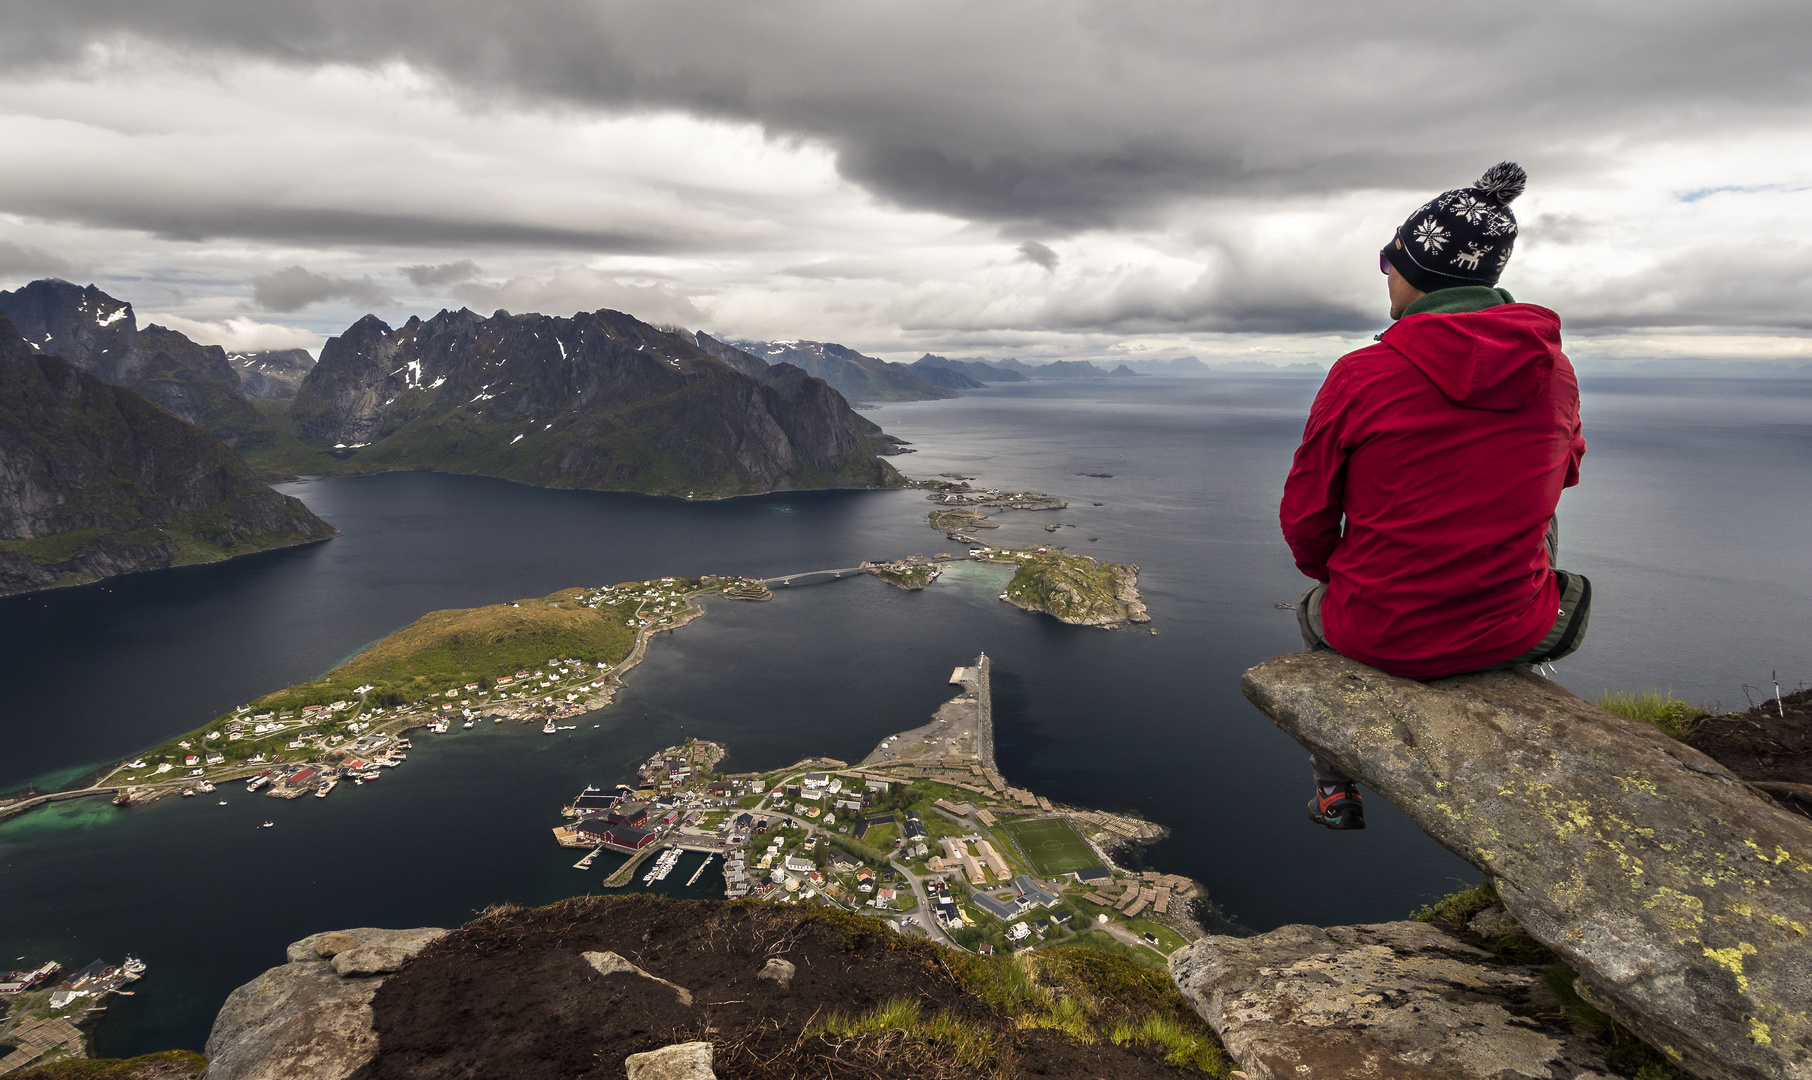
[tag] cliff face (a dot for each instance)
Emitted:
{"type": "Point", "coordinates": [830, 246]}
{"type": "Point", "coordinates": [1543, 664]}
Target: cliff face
{"type": "Point", "coordinates": [95, 480]}
{"type": "Point", "coordinates": [100, 335]}
{"type": "Point", "coordinates": [273, 374]}
{"type": "Point", "coordinates": [600, 400]}
{"type": "Point", "coordinates": [856, 377]}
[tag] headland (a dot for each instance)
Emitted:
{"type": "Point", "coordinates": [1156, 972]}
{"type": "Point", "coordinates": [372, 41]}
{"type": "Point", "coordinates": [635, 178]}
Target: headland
{"type": "Point", "coordinates": [924, 831]}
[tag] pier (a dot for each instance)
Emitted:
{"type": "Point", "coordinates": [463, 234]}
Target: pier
{"type": "Point", "coordinates": [626, 873]}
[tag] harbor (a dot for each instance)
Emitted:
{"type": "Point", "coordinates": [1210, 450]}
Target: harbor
{"type": "Point", "coordinates": [924, 832]}
{"type": "Point", "coordinates": [41, 1016]}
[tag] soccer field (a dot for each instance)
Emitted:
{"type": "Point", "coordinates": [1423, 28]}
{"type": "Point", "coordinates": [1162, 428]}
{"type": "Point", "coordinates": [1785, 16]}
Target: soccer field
{"type": "Point", "coordinates": [1053, 846]}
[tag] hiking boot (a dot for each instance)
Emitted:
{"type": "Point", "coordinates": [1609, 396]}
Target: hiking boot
{"type": "Point", "coordinates": [1339, 807]}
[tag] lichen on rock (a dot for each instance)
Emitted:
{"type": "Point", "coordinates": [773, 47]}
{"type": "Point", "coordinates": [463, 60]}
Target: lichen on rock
{"type": "Point", "coordinates": [1396, 1001]}
{"type": "Point", "coordinates": [1682, 899]}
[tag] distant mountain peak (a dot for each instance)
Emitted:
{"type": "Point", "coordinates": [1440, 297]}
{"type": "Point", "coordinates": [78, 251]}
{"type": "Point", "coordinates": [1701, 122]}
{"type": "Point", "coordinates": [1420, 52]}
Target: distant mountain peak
{"type": "Point", "coordinates": [855, 376]}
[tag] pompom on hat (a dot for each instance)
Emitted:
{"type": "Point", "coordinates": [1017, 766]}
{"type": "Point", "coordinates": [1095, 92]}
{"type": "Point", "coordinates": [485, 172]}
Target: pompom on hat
{"type": "Point", "coordinates": [1463, 236]}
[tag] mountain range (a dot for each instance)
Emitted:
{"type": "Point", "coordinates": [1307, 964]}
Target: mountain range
{"type": "Point", "coordinates": [856, 377]}
{"type": "Point", "coordinates": [961, 374]}
{"type": "Point", "coordinates": [101, 335]}
{"type": "Point", "coordinates": [599, 400]}
{"type": "Point", "coordinates": [100, 480]}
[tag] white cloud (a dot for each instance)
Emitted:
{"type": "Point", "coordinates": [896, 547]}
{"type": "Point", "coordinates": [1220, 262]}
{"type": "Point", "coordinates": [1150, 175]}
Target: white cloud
{"type": "Point", "coordinates": [237, 333]}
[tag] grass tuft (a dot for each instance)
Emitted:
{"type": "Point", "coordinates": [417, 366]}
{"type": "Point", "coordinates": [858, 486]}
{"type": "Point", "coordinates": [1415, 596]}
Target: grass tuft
{"type": "Point", "coordinates": [1674, 717]}
{"type": "Point", "coordinates": [1458, 909]}
{"type": "Point", "coordinates": [1181, 1046]}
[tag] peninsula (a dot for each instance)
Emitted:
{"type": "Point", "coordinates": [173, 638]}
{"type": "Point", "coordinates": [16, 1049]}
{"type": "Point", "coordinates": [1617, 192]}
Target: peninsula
{"type": "Point", "coordinates": [924, 831]}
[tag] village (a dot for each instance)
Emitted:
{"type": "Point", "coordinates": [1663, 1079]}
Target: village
{"type": "Point", "coordinates": [40, 1014]}
{"type": "Point", "coordinates": [924, 832]}
{"type": "Point", "coordinates": [312, 749]}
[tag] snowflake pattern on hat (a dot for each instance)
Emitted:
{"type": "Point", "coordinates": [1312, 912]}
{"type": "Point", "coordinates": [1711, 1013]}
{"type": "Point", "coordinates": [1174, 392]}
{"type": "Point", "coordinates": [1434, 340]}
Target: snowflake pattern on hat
{"type": "Point", "coordinates": [1430, 235]}
{"type": "Point", "coordinates": [1463, 236]}
{"type": "Point", "coordinates": [1469, 209]}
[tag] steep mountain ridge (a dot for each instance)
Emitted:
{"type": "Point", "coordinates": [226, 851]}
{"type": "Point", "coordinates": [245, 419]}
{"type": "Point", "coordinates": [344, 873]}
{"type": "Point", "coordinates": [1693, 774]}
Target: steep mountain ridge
{"type": "Point", "coordinates": [100, 334]}
{"type": "Point", "coordinates": [272, 374]}
{"type": "Point", "coordinates": [855, 376]}
{"type": "Point", "coordinates": [99, 480]}
{"type": "Point", "coordinates": [598, 400]}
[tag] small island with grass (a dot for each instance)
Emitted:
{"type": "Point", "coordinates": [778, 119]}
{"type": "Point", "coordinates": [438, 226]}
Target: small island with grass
{"type": "Point", "coordinates": [1074, 589]}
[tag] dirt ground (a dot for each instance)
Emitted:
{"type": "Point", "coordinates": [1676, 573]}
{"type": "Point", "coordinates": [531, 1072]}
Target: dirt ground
{"type": "Point", "coordinates": [1762, 746]}
{"type": "Point", "coordinates": [510, 995]}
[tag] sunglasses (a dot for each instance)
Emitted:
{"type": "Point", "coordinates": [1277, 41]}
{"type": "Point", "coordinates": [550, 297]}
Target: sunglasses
{"type": "Point", "coordinates": [1384, 263]}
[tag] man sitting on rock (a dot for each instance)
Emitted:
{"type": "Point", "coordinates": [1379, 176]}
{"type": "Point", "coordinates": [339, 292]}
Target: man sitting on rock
{"type": "Point", "coordinates": [1444, 447]}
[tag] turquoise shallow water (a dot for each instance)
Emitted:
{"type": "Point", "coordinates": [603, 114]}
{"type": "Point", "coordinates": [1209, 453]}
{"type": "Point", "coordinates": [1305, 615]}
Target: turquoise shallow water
{"type": "Point", "coordinates": [1685, 524]}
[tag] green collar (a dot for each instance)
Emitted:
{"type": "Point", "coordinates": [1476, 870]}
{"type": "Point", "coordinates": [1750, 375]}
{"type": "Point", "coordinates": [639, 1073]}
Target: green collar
{"type": "Point", "coordinates": [1458, 300]}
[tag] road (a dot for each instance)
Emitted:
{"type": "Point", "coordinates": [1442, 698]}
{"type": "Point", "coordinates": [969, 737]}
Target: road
{"type": "Point", "coordinates": [793, 579]}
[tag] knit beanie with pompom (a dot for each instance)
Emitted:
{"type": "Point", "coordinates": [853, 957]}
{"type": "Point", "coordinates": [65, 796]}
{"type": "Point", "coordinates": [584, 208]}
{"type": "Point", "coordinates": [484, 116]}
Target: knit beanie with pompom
{"type": "Point", "coordinates": [1460, 237]}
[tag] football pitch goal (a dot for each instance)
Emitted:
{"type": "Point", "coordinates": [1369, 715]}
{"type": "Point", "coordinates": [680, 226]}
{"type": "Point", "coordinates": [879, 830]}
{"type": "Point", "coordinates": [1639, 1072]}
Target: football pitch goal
{"type": "Point", "coordinates": [1053, 845]}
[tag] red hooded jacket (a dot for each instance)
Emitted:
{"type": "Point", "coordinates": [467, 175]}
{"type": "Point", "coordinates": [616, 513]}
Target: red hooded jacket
{"type": "Point", "coordinates": [1445, 446]}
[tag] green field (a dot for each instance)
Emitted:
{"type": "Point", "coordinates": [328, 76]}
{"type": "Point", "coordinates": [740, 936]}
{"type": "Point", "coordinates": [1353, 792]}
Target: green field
{"type": "Point", "coordinates": [1053, 846]}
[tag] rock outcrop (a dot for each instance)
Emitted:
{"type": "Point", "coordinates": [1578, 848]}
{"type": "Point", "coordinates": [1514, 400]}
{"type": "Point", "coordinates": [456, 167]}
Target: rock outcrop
{"type": "Point", "coordinates": [101, 335]}
{"type": "Point", "coordinates": [1392, 1001]}
{"type": "Point", "coordinates": [311, 1018]}
{"type": "Point", "coordinates": [95, 480]}
{"type": "Point", "coordinates": [600, 400]}
{"type": "Point", "coordinates": [856, 377]}
{"type": "Point", "coordinates": [1682, 899]}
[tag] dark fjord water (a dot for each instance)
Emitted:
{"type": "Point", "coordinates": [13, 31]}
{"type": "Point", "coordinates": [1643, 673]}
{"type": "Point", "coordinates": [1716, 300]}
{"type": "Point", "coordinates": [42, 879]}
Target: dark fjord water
{"type": "Point", "coordinates": [1691, 524]}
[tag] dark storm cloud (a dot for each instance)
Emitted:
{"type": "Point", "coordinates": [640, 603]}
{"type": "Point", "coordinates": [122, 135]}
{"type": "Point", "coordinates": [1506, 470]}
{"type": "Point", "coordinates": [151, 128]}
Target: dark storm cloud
{"type": "Point", "coordinates": [20, 259]}
{"type": "Point", "coordinates": [1034, 252]}
{"type": "Point", "coordinates": [1058, 111]}
{"type": "Point", "coordinates": [294, 288]}
{"type": "Point", "coordinates": [442, 274]}
{"type": "Point", "coordinates": [208, 220]}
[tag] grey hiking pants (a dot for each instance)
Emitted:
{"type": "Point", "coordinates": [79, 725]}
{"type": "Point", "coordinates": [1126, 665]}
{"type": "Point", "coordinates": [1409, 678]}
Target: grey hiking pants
{"type": "Point", "coordinates": [1563, 639]}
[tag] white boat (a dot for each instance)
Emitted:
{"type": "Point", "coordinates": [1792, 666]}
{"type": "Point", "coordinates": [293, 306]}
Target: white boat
{"type": "Point", "coordinates": [205, 787]}
{"type": "Point", "coordinates": [268, 825]}
{"type": "Point", "coordinates": [325, 788]}
{"type": "Point", "coordinates": [663, 865]}
{"type": "Point", "coordinates": [467, 724]}
{"type": "Point", "coordinates": [188, 793]}
{"type": "Point", "coordinates": [548, 728]}
{"type": "Point", "coordinates": [223, 802]}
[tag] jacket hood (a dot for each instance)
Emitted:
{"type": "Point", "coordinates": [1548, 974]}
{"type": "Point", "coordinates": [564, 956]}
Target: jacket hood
{"type": "Point", "coordinates": [1499, 359]}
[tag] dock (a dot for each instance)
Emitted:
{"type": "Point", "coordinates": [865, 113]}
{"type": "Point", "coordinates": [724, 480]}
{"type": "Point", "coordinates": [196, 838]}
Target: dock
{"type": "Point", "coordinates": [696, 874]}
{"type": "Point", "coordinates": [626, 873]}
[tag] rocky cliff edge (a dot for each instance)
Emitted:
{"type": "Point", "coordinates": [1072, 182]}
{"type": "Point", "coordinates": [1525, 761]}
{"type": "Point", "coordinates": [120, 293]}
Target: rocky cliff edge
{"type": "Point", "coordinates": [1682, 899]}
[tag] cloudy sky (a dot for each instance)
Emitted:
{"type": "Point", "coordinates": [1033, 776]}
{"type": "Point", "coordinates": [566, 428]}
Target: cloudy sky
{"type": "Point", "coordinates": [1041, 180]}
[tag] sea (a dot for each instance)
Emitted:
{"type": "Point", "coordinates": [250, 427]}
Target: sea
{"type": "Point", "coordinates": [1692, 523]}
